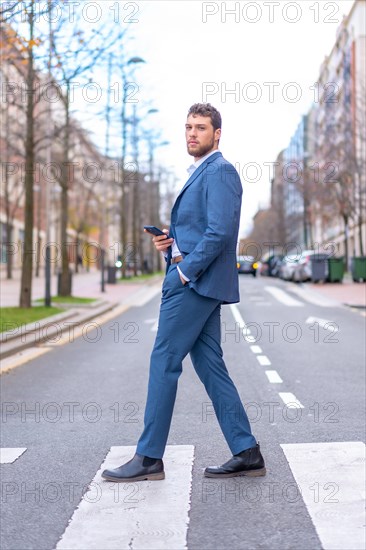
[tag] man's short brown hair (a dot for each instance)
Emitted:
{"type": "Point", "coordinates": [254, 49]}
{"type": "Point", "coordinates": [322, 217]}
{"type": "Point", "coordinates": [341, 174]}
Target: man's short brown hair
{"type": "Point", "coordinates": [206, 109]}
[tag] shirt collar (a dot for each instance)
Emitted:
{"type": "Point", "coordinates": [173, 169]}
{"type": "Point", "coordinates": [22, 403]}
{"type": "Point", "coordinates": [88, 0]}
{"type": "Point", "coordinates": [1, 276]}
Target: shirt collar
{"type": "Point", "coordinates": [198, 162]}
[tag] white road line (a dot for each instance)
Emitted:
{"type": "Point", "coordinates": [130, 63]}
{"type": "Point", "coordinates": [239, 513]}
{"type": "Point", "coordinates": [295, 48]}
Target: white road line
{"type": "Point", "coordinates": [237, 315]}
{"type": "Point", "coordinates": [274, 377]}
{"type": "Point", "coordinates": [313, 297]}
{"type": "Point", "coordinates": [240, 321]}
{"type": "Point", "coordinates": [331, 477]}
{"type": "Point", "coordinates": [146, 514]}
{"type": "Point", "coordinates": [154, 322]}
{"type": "Point", "coordinates": [263, 360]}
{"type": "Point", "coordinates": [256, 349]}
{"type": "Point", "coordinates": [283, 297]}
{"type": "Point", "coordinates": [290, 400]}
{"type": "Point", "coordinates": [324, 323]}
{"type": "Point", "coordinates": [8, 455]}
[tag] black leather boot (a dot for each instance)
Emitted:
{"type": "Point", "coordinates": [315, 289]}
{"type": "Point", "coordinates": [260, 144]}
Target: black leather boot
{"type": "Point", "coordinates": [247, 463]}
{"type": "Point", "coordinates": [138, 468]}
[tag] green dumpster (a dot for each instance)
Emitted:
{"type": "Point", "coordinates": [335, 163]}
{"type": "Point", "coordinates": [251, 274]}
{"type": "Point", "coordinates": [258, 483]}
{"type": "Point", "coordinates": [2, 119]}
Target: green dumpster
{"type": "Point", "coordinates": [335, 270]}
{"type": "Point", "coordinates": [359, 268]}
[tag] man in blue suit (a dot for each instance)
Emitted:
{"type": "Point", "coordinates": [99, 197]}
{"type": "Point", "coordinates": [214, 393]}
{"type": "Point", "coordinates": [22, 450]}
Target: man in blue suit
{"type": "Point", "coordinates": [201, 275]}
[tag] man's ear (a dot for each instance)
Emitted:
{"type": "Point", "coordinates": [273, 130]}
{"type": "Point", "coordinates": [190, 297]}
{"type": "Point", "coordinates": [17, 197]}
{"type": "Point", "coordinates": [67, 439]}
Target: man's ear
{"type": "Point", "coordinates": [217, 134]}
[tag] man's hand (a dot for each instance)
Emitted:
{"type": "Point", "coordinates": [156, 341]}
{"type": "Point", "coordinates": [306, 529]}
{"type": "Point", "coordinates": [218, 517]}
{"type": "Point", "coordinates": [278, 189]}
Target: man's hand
{"type": "Point", "coordinates": [161, 242]}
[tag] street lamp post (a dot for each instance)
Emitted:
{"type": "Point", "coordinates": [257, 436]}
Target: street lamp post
{"type": "Point", "coordinates": [123, 213]}
{"type": "Point", "coordinates": [154, 194]}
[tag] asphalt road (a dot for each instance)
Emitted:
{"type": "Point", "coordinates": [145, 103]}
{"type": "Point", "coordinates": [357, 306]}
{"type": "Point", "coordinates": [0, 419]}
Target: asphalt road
{"type": "Point", "coordinates": [69, 406]}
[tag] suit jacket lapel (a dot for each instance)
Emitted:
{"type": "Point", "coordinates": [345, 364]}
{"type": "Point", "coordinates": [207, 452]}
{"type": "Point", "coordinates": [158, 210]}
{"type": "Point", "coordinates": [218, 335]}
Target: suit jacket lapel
{"type": "Point", "coordinates": [196, 173]}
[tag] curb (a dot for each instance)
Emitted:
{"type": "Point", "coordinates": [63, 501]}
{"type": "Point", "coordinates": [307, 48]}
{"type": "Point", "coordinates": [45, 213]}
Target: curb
{"type": "Point", "coordinates": [8, 335]}
{"type": "Point", "coordinates": [37, 334]}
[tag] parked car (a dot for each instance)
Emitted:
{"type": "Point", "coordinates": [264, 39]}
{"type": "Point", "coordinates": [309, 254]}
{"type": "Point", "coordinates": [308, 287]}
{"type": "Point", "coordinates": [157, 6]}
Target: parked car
{"type": "Point", "coordinates": [247, 265]}
{"type": "Point", "coordinates": [302, 270]}
{"type": "Point", "coordinates": [274, 263]}
{"type": "Point", "coordinates": [270, 262]}
{"type": "Point", "coordinates": [287, 267]}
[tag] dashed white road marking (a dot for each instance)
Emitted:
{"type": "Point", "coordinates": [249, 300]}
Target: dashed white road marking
{"type": "Point", "coordinates": [331, 477]}
{"type": "Point", "coordinates": [324, 323]}
{"type": "Point", "coordinates": [256, 349]}
{"type": "Point", "coordinates": [154, 322]}
{"type": "Point", "coordinates": [263, 360]}
{"type": "Point", "coordinates": [240, 321]}
{"type": "Point", "coordinates": [290, 400]}
{"type": "Point", "coordinates": [146, 514]}
{"type": "Point", "coordinates": [283, 297]}
{"type": "Point", "coordinates": [273, 377]}
{"type": "Point", "coordinates": [8, 455]}
{"type": "Point", "coordinates": [237, 315]}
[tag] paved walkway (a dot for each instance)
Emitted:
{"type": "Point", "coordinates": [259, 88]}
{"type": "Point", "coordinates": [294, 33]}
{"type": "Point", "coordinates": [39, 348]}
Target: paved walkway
{"type": "Point", "coordinates": [83, 284]}
{"type": "Point", "coordinates": [347, 292]}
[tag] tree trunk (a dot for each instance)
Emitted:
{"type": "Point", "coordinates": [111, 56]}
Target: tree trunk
{"type": "Point", "coordinates": [65, 288]}
{"type": "Point", "coordinates": [38, 257]}
{"type": "Point", "coordinates": [9, 228]}
{"type": "Point", "coordinates": [27, 256]}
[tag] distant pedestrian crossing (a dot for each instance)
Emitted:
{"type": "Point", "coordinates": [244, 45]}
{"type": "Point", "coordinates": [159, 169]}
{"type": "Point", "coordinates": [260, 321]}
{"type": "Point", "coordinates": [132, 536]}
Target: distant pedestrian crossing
{"type": "Point", "coordinates": [287, 297]}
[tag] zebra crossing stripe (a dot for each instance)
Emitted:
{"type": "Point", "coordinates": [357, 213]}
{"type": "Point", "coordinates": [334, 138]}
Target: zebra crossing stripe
{"type": "Point", "coordinates": [8, 455]}
{"type": "Point", "coordinates": [331, 478]}
{"type": "Point", "coordinates": [283, 297]}
{"type": "Point", "coordinates": [145, 514]}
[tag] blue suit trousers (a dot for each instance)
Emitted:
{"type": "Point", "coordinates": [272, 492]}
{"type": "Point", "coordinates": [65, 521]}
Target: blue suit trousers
{"type": "Point", "coordinates": [190, 323]}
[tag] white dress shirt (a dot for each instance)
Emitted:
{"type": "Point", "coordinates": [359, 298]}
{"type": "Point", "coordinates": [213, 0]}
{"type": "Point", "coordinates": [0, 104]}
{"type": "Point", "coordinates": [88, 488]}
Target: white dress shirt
{"type": "Point", "coordinates": [190, 170]}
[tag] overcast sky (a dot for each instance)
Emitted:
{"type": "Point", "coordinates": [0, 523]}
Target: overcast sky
{"type": "Point", "coordinates": [268, 52]}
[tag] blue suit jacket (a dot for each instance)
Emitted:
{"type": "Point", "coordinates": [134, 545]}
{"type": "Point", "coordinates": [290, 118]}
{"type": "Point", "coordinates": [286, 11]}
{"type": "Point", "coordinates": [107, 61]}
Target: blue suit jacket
{"type": "Point", "coordinates": [205, 223]}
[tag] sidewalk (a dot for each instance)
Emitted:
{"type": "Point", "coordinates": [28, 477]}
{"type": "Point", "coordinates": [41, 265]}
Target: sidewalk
{"type": "Point", "coordinates": [348, 293]}
{"type": "Point", "coordinates": [21, 345]}
{"type": "Point", "coordinates": [83, 284]}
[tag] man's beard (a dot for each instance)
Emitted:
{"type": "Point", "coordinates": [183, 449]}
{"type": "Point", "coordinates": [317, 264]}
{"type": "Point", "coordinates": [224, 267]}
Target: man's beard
{"type": "Point", "coordinates": [201, 151]}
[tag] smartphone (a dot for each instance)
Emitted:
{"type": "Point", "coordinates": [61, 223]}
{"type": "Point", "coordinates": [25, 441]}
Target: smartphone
{"type": "Point", "coordinates": [154, 230]}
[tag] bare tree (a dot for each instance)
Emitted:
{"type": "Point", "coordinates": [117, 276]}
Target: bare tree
{"type": "Point", "coordinates": [26, 47]}
{"type": "Point", "coordinates": [76, 58]}
{"type": "Point", "coordinates": [13, 189]}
